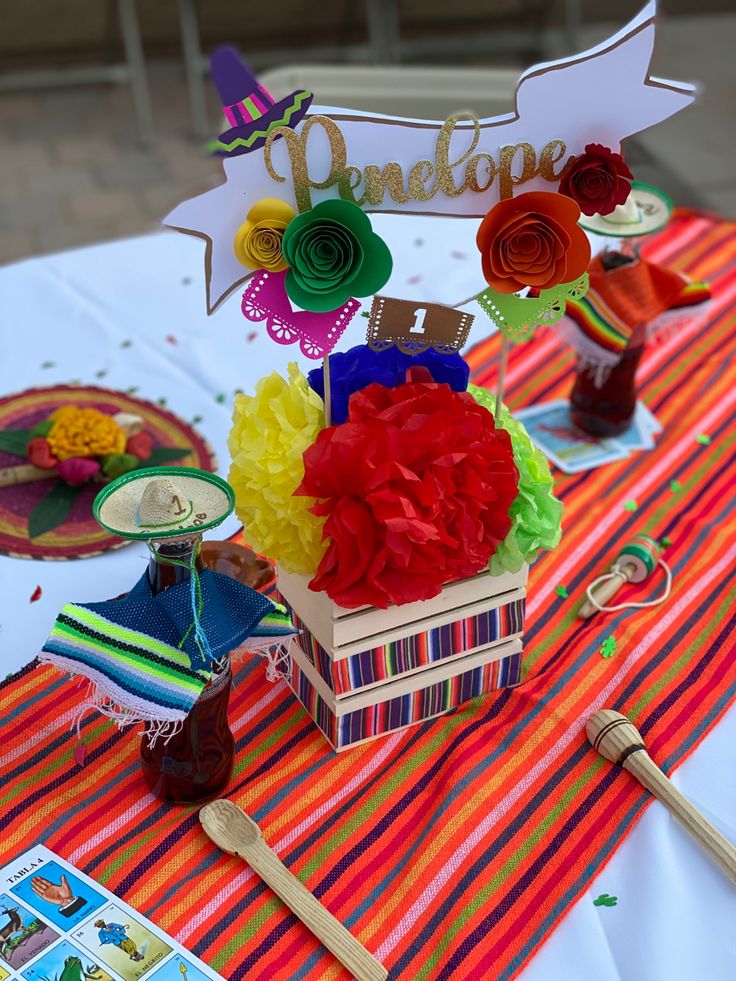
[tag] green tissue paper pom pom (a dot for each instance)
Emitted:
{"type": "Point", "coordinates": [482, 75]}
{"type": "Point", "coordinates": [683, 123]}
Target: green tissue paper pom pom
{"type": "Point", "coordinates": [536, 513]}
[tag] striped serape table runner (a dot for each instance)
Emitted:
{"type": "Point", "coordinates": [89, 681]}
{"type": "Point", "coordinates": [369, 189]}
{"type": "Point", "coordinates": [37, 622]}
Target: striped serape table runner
{"type": "Point", "coordinates": [451, 849]}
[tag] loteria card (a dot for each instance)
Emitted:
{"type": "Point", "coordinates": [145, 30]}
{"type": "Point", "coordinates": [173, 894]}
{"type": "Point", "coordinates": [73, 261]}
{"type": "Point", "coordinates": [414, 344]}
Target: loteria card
{"type": "Point", "coordinates": [57, 924]}
{"type": "Point", "coordinates": [551, 429]}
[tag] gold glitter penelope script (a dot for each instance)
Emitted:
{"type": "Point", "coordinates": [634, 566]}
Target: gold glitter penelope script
{"type": "Point", "coordinates": [516, 164]}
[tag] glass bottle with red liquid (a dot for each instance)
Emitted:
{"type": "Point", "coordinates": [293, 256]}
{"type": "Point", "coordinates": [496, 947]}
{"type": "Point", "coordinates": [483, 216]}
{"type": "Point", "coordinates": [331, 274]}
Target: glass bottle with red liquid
{"type": "Point", "coordinates": [196, 763]}
{"type": "Point", "coordinates": [608, 409]}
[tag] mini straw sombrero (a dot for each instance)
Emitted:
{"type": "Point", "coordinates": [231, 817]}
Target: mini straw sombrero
{"type": "Point", "coordinates": [248, 107]}
{"type": "Point", "coordinates": [646, 210]}
{"type": "Point", "coordinates": [163, 502]}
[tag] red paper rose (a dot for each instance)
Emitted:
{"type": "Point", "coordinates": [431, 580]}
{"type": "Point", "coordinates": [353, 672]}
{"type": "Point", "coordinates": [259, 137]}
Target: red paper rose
{"type": "Point", "coordinates": [532, 240]}
{"type": "Point", "coordinates": [598, 180]}
{"type": "Point", "coordinates": [416, 488]}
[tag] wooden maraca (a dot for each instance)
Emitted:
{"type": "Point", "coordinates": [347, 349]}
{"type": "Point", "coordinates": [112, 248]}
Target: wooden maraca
{"type": "Point", "coordinates": [634, 563]}
{"type": "Point", "coordinates": [617, 739]}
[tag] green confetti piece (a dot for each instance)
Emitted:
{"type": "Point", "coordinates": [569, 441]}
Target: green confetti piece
{"type": "Point", "coordinates": [186, 280]}
{"type": "Point", "coordinates": [562, 591]}
{"type": "Point", "coordinates": [703, 439]}
{"type": "Point", "coordinates": [126, 344]}
{"type": "Point", "coordinates": [675, 486]}
{"type": "Point", "coordinates": [666, 542]}
{"type": "Point", "coordinates": [197, 419]}
{"type": "Point", "coordinates": [608, 647]}
{"type": "Point", "coordinates": [48, 364]}
{"type": "Point", "coordinates": [365, 313]}
{"type": "Point", "coordinates": [132, 390]}
{"type": "Point", "coordinates": [631, 506]}
{"type": "Point", "coordinates": [605, 900]}
{"type": "Point", "coordinates": [101, 373]}
{"type": "Point", "coordinates": [220, 398]}
{"type": "Point", "coordinates": [161, 401]}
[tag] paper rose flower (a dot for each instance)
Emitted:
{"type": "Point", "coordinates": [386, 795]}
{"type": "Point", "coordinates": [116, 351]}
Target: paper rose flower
{"type": "Point", "coordinates": [352, 370]}
{"type": "Point", "coordinates": [333, 254]}
{"type": "Point", "coordinates": [84, 432]}
{"type": "Point", "coordinates": [532, 240]}
{"type": "Point", "coordinates": [598, 180]}
{"type": "Point", "coordinates": [270, 432]}
{"type": "Point", "coordinates": [536, 512]}
{"type": "Point", "coordinates": [258, 241]}
{"type": "Point", "coordinates": [40, 455]}
{"type": "Point", "coordinates": [415, 491]}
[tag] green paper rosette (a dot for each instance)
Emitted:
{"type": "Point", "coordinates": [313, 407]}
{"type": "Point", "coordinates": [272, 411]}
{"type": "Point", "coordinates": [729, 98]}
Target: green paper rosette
{"type": "Point", "coordinates": [333, 254]}
{"type": "Point", "coordinates": [536, 513]}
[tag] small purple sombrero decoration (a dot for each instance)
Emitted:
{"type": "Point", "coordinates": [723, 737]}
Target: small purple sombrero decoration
{"type": "Point", "coordinates": [248, 107]}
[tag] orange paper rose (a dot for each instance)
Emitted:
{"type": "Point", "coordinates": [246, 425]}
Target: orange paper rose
{"type": "Point", "coordinates": [532, 240]}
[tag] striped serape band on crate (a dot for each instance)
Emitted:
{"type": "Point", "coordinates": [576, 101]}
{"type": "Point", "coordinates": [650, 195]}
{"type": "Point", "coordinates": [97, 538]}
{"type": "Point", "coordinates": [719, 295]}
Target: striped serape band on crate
{"type": "Point", "coordinates": [451, 849]}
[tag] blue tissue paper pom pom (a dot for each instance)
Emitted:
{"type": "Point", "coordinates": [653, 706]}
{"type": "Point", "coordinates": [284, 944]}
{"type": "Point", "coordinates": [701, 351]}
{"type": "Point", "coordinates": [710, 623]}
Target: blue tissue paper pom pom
{"type": "Point", "coordinates": [353, 370]}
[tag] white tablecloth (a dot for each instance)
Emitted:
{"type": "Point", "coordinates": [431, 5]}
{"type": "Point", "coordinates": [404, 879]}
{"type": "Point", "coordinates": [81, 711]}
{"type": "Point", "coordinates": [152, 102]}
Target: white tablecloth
{"type": "Point", "coordinates": [71, 316]}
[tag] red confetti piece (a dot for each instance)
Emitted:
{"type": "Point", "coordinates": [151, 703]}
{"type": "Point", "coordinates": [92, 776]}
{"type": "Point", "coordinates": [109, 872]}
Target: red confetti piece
{"type": "Point", "coordinates": [252, 336]}
{"type": "Point", "coordinates": [36, 595]}
{"type": "Point", "coordinates": [414, 279]}
{"type": "Point", "coordinates": [171, 339]}
{"type": "Point", "coordinates": [80, 754]}
{"type": "Point", "coordinates": [458, 255]}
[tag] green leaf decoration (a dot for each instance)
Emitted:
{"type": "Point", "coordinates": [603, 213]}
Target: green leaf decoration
{"type": "Point", "coordinates": [517, 316]}
{"type": "Point", "coordinates": [165, 454]}
{"type": "Point", "coordinates": [42, 428]}
{"type": "Point", "coordinates": [703, 439]}
{"type": "Point", "coordinates": [631, 506]}
{"type": "Point", "coordinates": [675, 486]}
{"type": "Point", "coordinates": [15, 441]}
{"type": "Point", "coordinates": [605, 900]}
{"type": "Point", "coordinates": [52, 510]}
{"type": "Point", "coordinates": [608, 647]}
{"type": "Point", "coordinates": [562, 591]}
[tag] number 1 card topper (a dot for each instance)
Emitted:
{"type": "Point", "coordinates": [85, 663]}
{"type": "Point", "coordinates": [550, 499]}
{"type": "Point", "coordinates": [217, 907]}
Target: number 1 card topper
{"type": "Point", "coordinates": [459, 168]}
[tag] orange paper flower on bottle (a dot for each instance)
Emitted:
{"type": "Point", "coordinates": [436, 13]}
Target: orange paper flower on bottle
{"type": "Point", "coordinates": [83, 433]}
{"type": "Point", "coordinates": [532, 240]}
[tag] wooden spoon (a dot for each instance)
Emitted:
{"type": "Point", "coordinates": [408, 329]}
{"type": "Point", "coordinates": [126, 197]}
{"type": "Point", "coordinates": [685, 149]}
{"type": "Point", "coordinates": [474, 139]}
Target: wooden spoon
{"type": "Point", "coordinates": [237, 834]}
{"type": "Point", "coordinates": [617, 739]}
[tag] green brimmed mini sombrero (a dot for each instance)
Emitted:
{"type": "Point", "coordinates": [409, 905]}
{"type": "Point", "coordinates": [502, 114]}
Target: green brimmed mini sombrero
{"type": "Point", "coordinates": [163, 502]}
{"type": "Point", "coordinates": [647, 209]}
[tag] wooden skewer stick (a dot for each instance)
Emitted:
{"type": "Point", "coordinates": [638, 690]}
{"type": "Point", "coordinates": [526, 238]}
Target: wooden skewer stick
{"type": "Point", "coordinates": [237, 834]}
{"type": "Point", "coordinates": [617, 739]}
{"type": "Point", "coordinates": [328, 390]}
{"type": "Point", "coordinates": [606, 591]}
{"type": "Point", "coordinates": [501, 383]}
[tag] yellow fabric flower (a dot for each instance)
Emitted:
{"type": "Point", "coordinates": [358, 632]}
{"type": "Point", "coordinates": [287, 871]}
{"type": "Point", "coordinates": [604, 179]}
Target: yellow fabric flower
{"type": "Point", "coordinates": [257, 243]}
{"type": "Point", "coordinates": [84, 432]}
{"type": "Point", "coordinates": [270, 432]}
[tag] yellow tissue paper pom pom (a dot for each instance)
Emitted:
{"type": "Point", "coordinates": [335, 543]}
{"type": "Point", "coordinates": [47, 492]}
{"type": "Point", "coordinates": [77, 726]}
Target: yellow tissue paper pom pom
{"type": "Point", "coordinates": [270, 432]}
{"type": "Point", "coordinates": [257, 242]}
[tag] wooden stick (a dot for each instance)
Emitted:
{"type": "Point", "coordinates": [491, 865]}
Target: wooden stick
{"type": "Point", "coordinates": [24, 473]}
{"type": "Point", "coordinates": [328, 389]}
{"type": "Point", "coordinates": [606, 591]}
{"type": "Point", "coordinates": [237, 834]}
{"type": "Point", "coordinates": [617, 739]}
{"type": "Point", "coordinates": [500, 384]}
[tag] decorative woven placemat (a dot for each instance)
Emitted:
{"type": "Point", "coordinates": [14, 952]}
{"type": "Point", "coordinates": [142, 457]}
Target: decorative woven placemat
{"type": "Point", "coordinates": [79, 536]}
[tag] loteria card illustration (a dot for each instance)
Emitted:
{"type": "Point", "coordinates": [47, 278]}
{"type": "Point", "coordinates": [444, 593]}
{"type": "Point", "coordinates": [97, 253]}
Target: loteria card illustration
{"type": "Point", "coordinates": [59, 896]}
{"type": "Point", "coordinates": [95, 937]}
{"type": "Point", "coordinates": [22, 933]}
{"type": "Point", "coordinates": [551, 429]}
{"type": "Point", "coordinates": [179, 968]}
{"type": "Point", "coordinates": [118, 939]}
{"type": "Point", "coordinates": [65, 962]}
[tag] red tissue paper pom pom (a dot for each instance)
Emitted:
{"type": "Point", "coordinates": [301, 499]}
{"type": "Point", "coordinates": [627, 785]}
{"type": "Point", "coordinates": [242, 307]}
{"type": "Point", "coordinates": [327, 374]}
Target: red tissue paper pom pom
{"type": "Point", "coordinates": [598, 180]}
{"type": "Point", "coordinates": [415, 487]}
